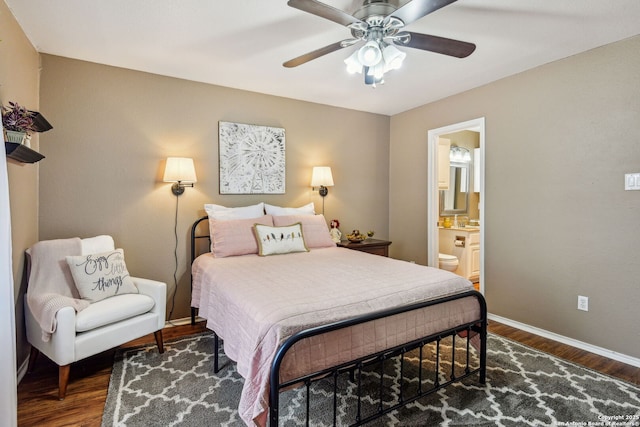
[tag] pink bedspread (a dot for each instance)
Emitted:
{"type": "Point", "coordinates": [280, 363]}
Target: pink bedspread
{"type": "Point", "coordinates": [255, 303]}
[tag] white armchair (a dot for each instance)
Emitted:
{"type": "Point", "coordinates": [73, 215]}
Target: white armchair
{"type": "Point", "coordinates": [102, 325]}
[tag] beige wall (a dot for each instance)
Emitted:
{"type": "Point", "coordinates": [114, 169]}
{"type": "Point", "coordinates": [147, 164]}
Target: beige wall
{"type": "Point", "coordinates": [559, 139]}
{"type": "Point", "coordinates": [19, 82]}
{"type": "Point", "coordinates": [115, 127]}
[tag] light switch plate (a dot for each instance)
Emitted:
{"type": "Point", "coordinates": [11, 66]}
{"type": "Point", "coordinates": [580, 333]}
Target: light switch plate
{"type": "Point", "coordinates": [632, 181]}
{"type": "Point", "coordinates": [583, 303]}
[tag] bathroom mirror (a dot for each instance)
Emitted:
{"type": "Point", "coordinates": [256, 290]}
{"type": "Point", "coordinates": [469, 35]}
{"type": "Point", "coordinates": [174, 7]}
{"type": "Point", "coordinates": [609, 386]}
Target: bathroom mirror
{"type": "Point", "coordinates": [455, 200]}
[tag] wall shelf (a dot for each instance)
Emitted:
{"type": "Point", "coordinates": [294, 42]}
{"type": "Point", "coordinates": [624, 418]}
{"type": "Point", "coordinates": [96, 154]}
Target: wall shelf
{"type": "Point", "coordinates": [22, 153]}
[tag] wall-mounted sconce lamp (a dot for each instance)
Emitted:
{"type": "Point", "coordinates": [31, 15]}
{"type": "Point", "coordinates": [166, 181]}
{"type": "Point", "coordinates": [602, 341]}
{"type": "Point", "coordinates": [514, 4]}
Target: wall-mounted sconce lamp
{"type": "Point", "coordinates": [181, 171]}
{"type": "Point", "coordinates": [322, 178]}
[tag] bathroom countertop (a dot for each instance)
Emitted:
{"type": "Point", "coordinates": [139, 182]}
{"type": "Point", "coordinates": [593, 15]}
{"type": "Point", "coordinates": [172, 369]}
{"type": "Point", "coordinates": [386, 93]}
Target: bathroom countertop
{"type": "Point", "coordinates": [468, 228]}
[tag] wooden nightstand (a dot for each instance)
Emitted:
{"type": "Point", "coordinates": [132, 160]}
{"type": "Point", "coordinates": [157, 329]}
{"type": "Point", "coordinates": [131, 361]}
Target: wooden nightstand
{"type": "Point", "coordinates": [372, 246]}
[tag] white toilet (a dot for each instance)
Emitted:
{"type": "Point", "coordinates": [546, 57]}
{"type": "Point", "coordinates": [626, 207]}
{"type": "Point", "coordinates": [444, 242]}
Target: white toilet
{"type": "Point", "coordinates": [447, 262]}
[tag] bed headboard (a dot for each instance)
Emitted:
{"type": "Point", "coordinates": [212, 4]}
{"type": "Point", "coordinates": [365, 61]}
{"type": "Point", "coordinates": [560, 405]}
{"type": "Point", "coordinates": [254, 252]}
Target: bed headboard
{"type": "Point", "coordinates": [200, 243]}
{"type": "Point", "coordinates": [200, 231]}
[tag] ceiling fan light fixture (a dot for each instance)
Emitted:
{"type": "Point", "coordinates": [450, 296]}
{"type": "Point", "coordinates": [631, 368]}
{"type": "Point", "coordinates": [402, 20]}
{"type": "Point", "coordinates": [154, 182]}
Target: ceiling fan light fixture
{"type": "Point", "coordinates": [377, 71]}
{"type": "Point", "coordinates": [353, 64]}
{"type": "Point", "coordinates": [370, 78]}
{"type": "Point", "coordinates": [393, 57]}
{"type": "Point", "coordinates": [370, 54]}
{"type": "Point", "coordinates": [379, 25]}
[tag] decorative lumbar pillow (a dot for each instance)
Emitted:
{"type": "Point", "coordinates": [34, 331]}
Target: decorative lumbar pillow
{"type": "Point", "coordinates": [307, 209]}
{"type": "Point", "coordinates": [235, 237]}
{"type": "Point", "coordinates": [224, 214]}
{"type": "Point", "coordinates": [102, 275]}
{"type": "Point", "coordinates": [314, 228]}
{"type": "Point", "coordinates": [280, 240]}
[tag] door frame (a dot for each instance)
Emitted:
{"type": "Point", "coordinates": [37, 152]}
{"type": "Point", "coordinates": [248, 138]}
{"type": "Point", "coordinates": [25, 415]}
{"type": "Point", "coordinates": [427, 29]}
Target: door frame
{"type": "Point", "coordinates": [476, 125]}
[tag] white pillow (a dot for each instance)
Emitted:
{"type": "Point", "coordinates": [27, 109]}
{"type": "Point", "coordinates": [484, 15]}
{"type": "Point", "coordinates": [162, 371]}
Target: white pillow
{"type": "Point", "coordinates": [92, 245]}
{"type": "Point", "coordinates": [280, 240]}
{"type": "Point", "coordinates": [223, 213]}
{"type": "Point", "coordinates": [307, 209]}
{"type": "Point", "coordinates": [102, 275]}
{"type": "Point", "coordinates": [314, 227]}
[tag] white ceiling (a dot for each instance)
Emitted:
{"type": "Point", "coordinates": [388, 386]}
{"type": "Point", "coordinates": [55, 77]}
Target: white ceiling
{"type": "Point", "coordinates": [243, 43]}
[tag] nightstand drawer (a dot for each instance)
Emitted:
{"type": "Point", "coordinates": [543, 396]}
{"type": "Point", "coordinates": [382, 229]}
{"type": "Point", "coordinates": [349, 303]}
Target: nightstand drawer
{"type": "Point", "coordinates": [372, 246]}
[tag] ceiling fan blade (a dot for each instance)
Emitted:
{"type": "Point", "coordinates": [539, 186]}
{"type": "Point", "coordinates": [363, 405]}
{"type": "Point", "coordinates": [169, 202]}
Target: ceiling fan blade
{"type": "Point", "coordinates": [416, 9]}
{"type": "Point", "coordinates": [456, 48]}
{"type": "Point", "coordinates": [324, 11]}
{"type": "Point", "coordinates": [302, 59]}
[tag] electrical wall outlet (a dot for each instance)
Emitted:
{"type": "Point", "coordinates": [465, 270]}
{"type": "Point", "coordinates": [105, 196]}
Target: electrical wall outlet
{"type": "Point", "coordinates": [583, 303]}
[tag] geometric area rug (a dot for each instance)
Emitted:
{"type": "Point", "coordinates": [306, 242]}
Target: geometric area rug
{"type": "Point", "coordinates": [525, 387]}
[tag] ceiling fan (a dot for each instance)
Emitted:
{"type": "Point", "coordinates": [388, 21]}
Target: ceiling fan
{"type": "Point", "coordinates": [379, 25]}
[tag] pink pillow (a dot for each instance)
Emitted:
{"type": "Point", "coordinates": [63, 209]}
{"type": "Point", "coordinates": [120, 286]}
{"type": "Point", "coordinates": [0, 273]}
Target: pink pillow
{"type": "Point", "coordinates": [314, 229]}
{"type": "Point", "coordinates": [235, 237]}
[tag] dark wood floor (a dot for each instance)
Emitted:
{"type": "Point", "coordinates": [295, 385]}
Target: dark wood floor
{"type": "Point", "coordinates": [38, 404]}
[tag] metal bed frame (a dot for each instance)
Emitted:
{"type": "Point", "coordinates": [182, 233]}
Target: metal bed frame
{"type": "Point", "coordinates": [355, 367]}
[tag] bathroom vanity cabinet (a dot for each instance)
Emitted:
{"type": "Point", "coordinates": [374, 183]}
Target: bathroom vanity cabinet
{"type": "Point", "coordinates": [464, 243]}
{"type": "Point", "coordinates": [444, 173]}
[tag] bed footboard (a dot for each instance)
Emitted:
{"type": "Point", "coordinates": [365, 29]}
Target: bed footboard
{"type": "Point", "coordinates": [465, 331]}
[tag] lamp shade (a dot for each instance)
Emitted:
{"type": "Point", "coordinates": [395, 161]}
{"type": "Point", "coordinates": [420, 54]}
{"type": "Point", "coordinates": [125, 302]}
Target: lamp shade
{"type": "Point", "coordinates": [353, 63]}
{"type": "Point", "coordinates": [321, 176]}
{"type": "Point", "coordinates": [393, 57]}
{"type": "Point", "coordinates": [370, 54]}
{"type": "Point", "coordinates": [179, 169]}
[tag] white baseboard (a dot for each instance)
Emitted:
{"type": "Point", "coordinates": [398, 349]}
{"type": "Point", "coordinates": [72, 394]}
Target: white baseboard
{"type": "Point", "coordinates": [629, 360]}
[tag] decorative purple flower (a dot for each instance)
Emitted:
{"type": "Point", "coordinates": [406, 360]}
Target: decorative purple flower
{"type": "Point", "coordinates": [17, 118]}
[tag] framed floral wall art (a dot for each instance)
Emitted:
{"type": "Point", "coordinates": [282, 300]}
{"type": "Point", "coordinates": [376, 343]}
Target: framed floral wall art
{"type": "Point", "coordinates": [252, 159]}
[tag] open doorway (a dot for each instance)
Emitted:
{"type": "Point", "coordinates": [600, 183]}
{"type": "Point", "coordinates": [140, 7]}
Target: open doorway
{"type": "Point", "coordinates": [433, 193]}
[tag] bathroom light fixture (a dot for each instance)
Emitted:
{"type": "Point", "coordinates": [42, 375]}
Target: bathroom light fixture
{"type": "Point", "coordinates": [181, 171]}
{"type": "Point", "coordinates": [322, 178]}
{"type": "Point", "coordinates": [459, 154]}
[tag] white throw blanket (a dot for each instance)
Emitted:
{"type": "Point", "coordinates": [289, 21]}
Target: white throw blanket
{"type": "Point", "coordinates": [51, 286]}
